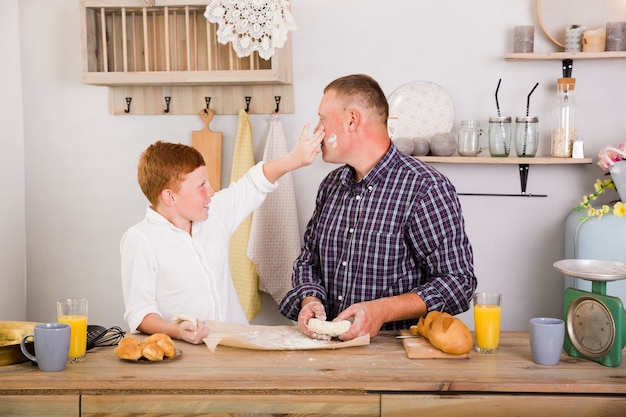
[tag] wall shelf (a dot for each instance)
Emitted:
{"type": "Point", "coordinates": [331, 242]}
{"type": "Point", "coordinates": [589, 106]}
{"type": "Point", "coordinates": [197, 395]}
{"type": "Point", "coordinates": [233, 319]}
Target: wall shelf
{"type": "Point", "coordinates": [523, 164]}
{"type": "Point", "coordinates": [154, 52]}
{"type": "Point", "coordinates": [559, 56]}
{"type": "Point", "coordinates": [541, 160]}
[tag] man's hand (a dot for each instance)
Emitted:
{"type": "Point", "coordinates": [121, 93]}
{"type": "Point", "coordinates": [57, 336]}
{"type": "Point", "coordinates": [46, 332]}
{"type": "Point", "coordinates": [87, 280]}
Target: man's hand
{"type": "Point", "coordinates": [368, 318]}
{"type": "Point", "coordinates": [309, 310]}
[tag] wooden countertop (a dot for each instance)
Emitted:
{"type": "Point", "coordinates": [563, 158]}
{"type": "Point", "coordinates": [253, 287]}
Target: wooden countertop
{"type": "Point", "coordinates": [381, 367]}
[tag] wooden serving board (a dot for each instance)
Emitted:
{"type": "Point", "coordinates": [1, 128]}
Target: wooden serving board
{"type": "Point", "coordinates": [209, 144]}
{"type": "Point", "coordinates": [420, 348]}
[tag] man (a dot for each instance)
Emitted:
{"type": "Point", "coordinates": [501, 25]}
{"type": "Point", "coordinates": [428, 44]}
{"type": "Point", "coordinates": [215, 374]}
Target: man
{"type": "Point", "coordinates": [386, 242]}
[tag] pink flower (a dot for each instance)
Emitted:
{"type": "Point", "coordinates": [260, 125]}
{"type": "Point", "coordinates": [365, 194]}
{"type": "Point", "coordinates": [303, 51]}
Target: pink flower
{"type": "Point", "coordinates": [610, 154]}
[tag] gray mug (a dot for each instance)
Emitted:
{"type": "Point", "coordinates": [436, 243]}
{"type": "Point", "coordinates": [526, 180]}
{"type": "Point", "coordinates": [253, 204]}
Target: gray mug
{"type": "Point", "coordinates": [52, 346]}
{"type": "Point", "coordinates": [546, 339]}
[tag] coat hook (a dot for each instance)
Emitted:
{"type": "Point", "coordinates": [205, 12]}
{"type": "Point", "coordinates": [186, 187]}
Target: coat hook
{"type": "Point", "coordinates": [277, 100]}
{"type": "Point", "coordinates": [208, 101]}
{"type": "Point", "coordinates": [248, 99]}
{"type": "Point", "coordinates": [167, 104]}
{"type": "Point", "coordinates": [128, 100]}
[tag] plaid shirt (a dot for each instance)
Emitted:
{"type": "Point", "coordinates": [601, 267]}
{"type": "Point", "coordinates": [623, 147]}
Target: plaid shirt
{"type": "Point", "coordinates": [398, 230]}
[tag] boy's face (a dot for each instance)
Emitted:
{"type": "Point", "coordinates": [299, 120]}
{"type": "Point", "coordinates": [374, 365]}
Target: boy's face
{"type": "Point", "coordinates": [194, 196]}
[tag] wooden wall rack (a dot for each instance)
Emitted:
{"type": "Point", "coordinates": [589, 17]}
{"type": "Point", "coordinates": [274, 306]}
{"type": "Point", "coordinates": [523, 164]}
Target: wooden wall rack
{"type": "Point", "coordinates": [163, 57]}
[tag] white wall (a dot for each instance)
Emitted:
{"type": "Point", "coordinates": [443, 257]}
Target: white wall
{"type": "Point", "coordinates": [80, 162]}
{"type": "Point", "coordinates": [12, 215]}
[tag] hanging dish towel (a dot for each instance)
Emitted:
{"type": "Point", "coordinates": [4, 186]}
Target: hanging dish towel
{"type": "Point", "coordinates": [243, 270]}
{"type": "Point", "coordinates": [275, 235]}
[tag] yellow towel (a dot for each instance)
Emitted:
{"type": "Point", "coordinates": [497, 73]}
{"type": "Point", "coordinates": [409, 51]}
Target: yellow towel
{"type": "Point", "coordinates": [243, 270]}
{"type": "Point", "coordinates": [275, 234]}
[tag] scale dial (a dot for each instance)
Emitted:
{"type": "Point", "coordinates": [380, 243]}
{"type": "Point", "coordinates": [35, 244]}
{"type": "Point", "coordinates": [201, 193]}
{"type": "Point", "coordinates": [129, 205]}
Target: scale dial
{"type": "Point", "coordinates": [590, 326]}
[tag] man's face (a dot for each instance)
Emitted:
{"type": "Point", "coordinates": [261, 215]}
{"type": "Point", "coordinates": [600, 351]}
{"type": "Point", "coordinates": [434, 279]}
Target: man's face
{"type": "Point", "coordinates": [331, 116]}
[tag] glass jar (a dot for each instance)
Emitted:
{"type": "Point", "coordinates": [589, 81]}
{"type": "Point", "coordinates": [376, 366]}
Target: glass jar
{"type": "Point", "coordinates": [526, 136]}
{"type": "Point", "coordinates": [499, 136]}
{"type": "Point", "coordinates": [469, 138]}
{"type": "Point", "coordinates": [564, 123]}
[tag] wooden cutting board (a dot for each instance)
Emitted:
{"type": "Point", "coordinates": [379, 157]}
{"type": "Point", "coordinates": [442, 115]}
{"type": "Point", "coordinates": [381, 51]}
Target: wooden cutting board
{"type": "Point", "coordinates": [209, 144]}
{"type": "Point", "coordinates": [420, 348]}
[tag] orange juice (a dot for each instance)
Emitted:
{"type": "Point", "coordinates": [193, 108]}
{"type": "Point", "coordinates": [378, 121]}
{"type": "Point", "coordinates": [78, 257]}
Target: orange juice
{"type": "Point", "coordinates": [78, 335]}
{"type": "Point", "coordinates": [487, 326]}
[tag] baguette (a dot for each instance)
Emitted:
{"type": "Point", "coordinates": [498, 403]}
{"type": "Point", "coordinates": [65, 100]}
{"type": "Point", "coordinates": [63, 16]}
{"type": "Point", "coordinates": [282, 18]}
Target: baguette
{"type": "Point", "coordinates": [446, 333]}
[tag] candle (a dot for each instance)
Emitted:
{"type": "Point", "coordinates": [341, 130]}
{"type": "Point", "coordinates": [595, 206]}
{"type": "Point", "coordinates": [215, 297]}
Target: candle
{"type": "Point", "coordinates": [523, 38]}
{"type": "Point", "coordinates": [616, 36]}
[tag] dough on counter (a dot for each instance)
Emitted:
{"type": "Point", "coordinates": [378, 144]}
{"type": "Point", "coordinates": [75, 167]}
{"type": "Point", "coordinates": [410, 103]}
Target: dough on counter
{"type": "Point", "coordinates": [330, 328]}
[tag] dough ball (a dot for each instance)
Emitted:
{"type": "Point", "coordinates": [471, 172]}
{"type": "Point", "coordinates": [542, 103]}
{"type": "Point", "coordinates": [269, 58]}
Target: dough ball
{"type": "Point", "coordinates": [329, 328]}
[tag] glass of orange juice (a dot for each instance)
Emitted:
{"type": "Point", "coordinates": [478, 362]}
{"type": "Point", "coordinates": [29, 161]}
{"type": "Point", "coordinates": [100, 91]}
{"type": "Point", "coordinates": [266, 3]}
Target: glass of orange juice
{"type": "Point", "coordinates": [73, 311]}
{"type": "Point", "coordinates": [487, 311]}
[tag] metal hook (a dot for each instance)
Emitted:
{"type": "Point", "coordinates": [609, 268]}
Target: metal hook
{"type": "Point", "coordinates": [128, 100]}
{"type": "Point", "coordinates": [277, 100]}
{"type": "Point", "coordinates": [248, 99]}
{"type": "Point", "coordinates": [167, 104]}
{"type": "Point", "coordinates": [208, 101]}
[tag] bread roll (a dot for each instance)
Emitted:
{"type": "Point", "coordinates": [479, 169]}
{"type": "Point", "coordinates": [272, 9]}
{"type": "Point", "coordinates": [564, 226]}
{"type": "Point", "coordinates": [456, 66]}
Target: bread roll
{"type": "Point", "coordinates": [153, 348]}
{"type": "Point", "coordinates": [446, 333]}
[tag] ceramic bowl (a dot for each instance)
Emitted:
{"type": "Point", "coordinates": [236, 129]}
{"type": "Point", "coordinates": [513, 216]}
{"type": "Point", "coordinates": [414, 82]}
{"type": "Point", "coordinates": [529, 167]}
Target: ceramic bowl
{"type": "Point", "coordinates": [421, 146]}
{"type": "Point", "coordinates": [404, 145]}
{"type": "Point", "coordinates": [443, 144]}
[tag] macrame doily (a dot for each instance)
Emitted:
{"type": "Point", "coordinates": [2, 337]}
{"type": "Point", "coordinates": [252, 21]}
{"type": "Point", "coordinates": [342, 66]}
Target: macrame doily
{"type": "Point", "coordinates": [251, 25]}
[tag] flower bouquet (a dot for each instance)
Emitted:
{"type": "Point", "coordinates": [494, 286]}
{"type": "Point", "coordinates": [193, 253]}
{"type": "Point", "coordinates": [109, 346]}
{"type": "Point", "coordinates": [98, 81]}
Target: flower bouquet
{"type": "Point", "coordinates": [613, 159]}
{"type": "Point", "coordinates": [600, 186]}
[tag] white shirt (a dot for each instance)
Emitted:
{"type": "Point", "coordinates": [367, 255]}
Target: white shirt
{"type": "Point", "coordinates": [168, 272]}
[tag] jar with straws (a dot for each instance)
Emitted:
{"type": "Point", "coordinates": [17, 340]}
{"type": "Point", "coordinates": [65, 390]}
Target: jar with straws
{"type": "Point", "coordinates": [527, 132]}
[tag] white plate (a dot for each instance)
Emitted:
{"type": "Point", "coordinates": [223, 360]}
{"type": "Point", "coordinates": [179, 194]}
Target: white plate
{"type": "Point", "coordinates": [593, 270]}
{"type": "Point", "coordinates": [423, 108]}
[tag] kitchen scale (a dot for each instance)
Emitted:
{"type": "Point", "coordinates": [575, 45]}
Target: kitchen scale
{"type": "Point", "coordinates": [595, 322]}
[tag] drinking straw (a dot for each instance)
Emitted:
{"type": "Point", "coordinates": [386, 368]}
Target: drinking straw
{"type": "Point", "coordinates": [528, 99]}
{"type": "Point", "coordinates": [498, 104]}
{"type": "Point", "coordinates": [526, 123]}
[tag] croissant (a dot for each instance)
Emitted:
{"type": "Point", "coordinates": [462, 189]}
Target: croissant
{"type": "Point", "coordinates": [152, 352]}
{"type": "Point", "coordinates": [128, 348]}
{"type": "Point", "coordinates": [169, 350]}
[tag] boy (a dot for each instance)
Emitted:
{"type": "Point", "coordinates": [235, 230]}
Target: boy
{"type": "Point", "coordinates": [175, 262]}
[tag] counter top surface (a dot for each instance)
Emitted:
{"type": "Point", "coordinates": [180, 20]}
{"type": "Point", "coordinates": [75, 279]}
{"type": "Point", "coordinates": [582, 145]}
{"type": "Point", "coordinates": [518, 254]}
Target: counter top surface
{"type": "Point", "coordinates": [382, 366]}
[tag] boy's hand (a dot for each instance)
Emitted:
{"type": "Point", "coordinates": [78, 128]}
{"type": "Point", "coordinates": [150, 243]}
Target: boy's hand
{"type": "Point", "coordinates": [306, 149]}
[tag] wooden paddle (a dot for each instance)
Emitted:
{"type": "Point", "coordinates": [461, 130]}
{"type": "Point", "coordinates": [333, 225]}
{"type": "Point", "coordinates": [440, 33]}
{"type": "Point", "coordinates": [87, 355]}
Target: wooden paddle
{"type": "Point", "coordinates": [209, 144]}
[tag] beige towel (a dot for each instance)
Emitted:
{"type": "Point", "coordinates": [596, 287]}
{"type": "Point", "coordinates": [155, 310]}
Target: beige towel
{"type": "Point", "coordinates": [275, 235]}
{"type": "Point", "coordinates": [243, 270]}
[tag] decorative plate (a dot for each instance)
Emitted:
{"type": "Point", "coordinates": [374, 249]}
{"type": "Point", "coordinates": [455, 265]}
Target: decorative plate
{"type": "Point", "coordinates": [592, 270]}
{"type": "Point", "coordinates": [423, 108]}
{"type": "Point", "coordinates": [165, 358]}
